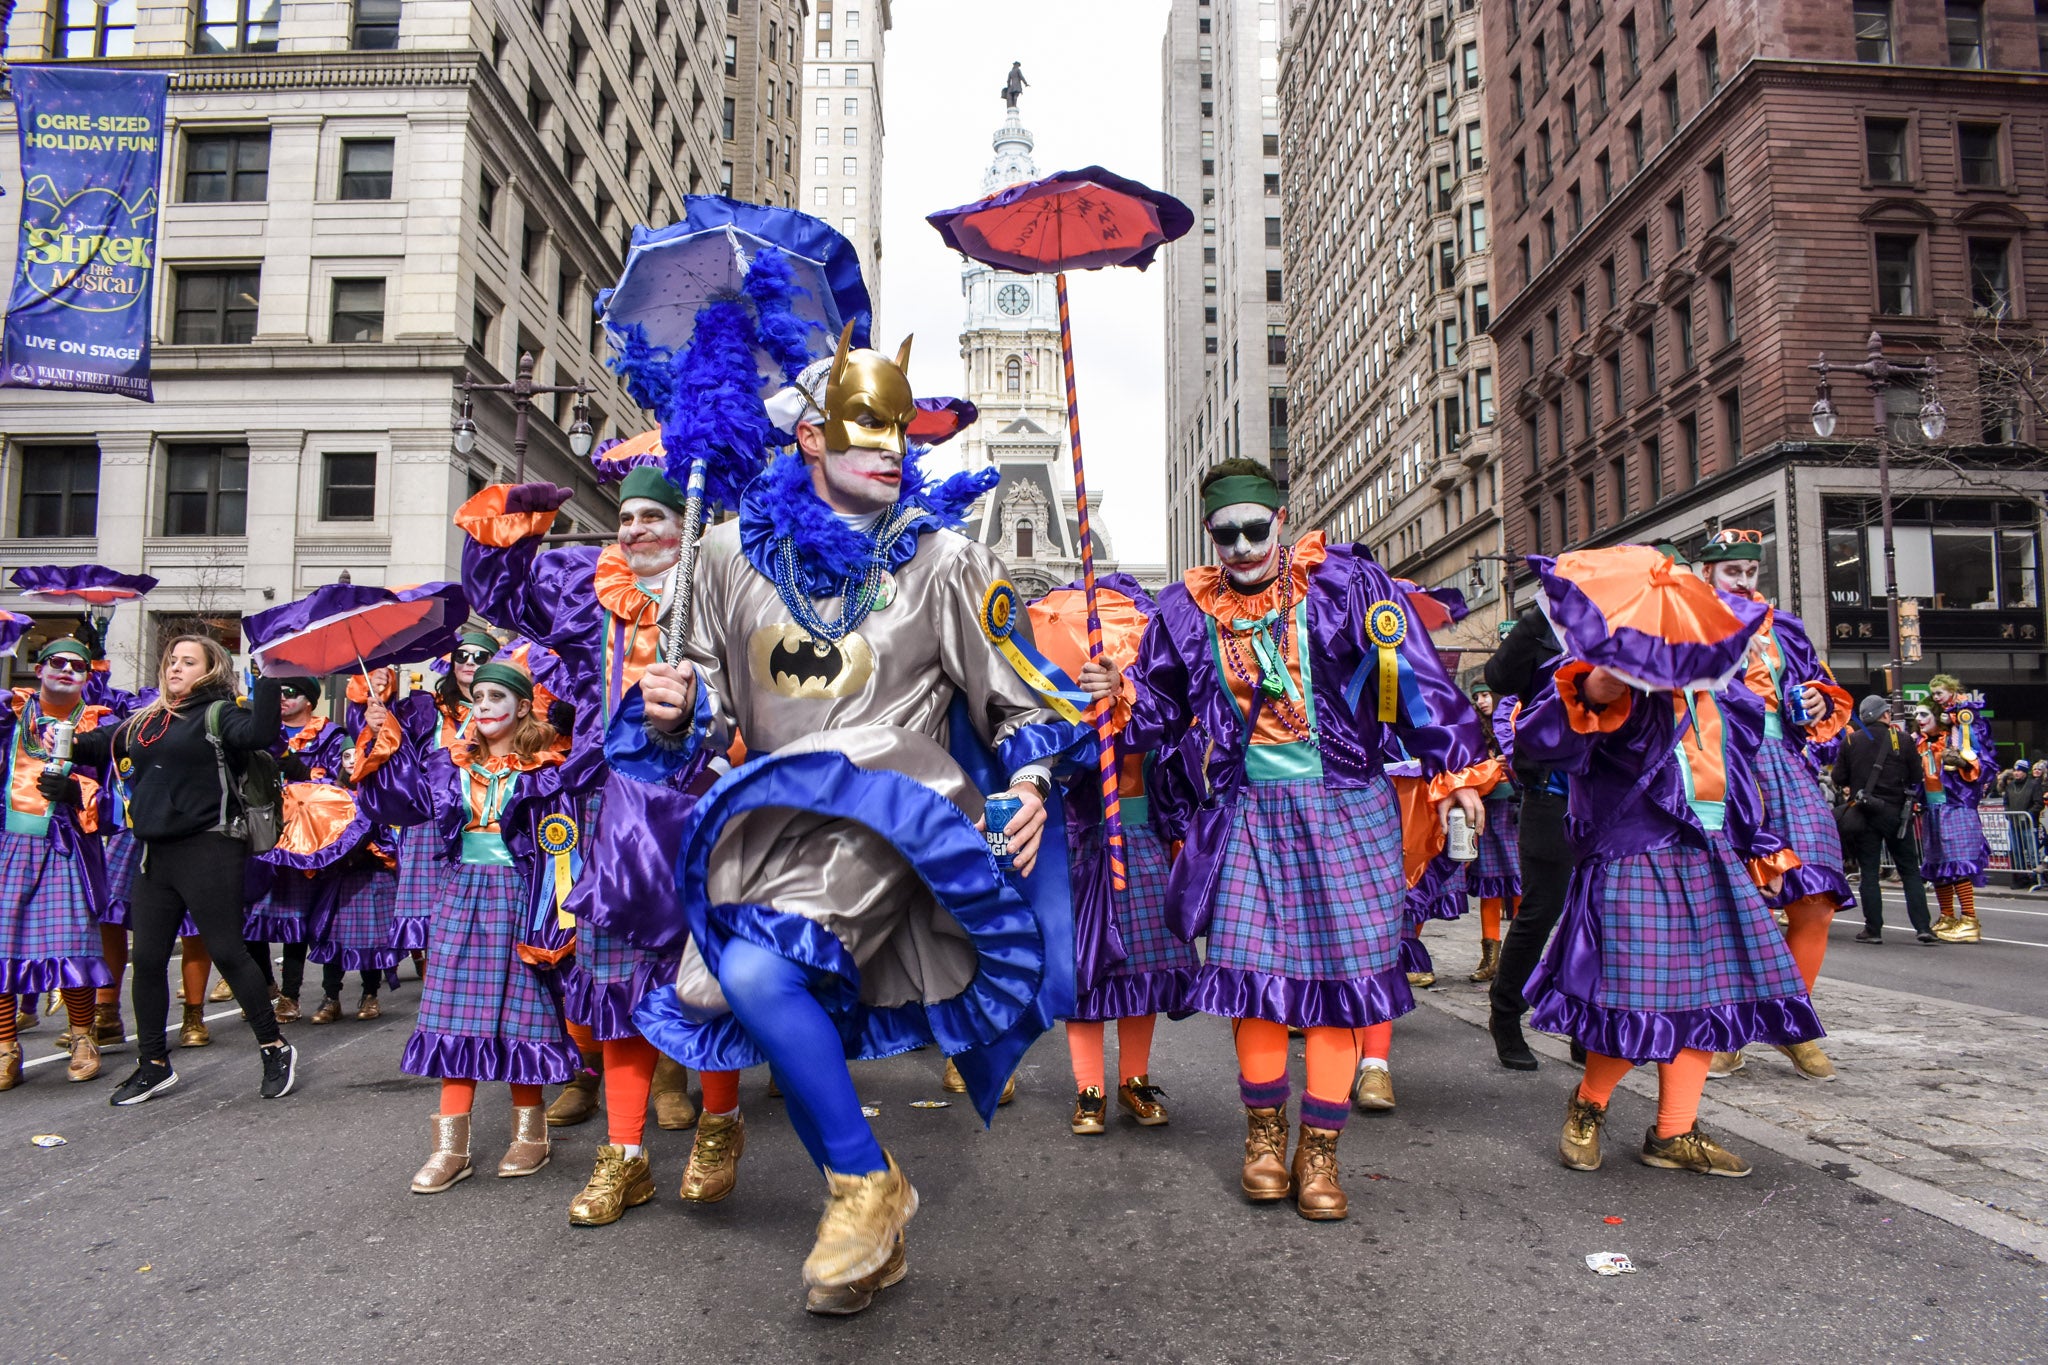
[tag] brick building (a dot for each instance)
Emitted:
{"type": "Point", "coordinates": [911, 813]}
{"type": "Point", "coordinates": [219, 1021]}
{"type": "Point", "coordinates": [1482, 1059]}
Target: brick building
{"type": "Point", "coordinates": [1692, 203]}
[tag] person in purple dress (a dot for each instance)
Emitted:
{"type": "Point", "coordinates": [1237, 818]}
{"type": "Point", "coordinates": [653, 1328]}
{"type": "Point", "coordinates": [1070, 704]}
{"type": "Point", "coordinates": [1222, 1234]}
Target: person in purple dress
{"type": "Point", "coordinates": [294, 899]}
{"type": "Point", "coordinates": [1963, 761]}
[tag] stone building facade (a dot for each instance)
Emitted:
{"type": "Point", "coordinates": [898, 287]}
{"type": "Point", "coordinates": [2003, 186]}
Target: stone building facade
{"type": "Point", "coordinates": [759, 120]}
{"type": "Point", "coordinates": [839, 160]}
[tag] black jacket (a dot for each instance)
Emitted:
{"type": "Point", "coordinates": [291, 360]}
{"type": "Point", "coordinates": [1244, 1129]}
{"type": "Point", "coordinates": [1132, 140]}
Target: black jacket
{"type": "Point", "coordinates": [172, 778]}
{"type": "Point", "coordinates": [1882, 764]}
{"type": "Point", "coordinates": [1522, 668]}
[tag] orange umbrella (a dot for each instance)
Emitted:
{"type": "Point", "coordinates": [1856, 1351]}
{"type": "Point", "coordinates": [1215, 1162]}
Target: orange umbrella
{"type": "Point", "coordinates": [1626, 608]}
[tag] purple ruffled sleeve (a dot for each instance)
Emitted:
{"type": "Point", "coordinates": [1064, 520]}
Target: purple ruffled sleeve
{"type": "Point", "coordinates": [1154, 692]}
{"type": "Point", "coordinates": [1742, 719]}
{"type": "Point", "coordinates": [396, 791]}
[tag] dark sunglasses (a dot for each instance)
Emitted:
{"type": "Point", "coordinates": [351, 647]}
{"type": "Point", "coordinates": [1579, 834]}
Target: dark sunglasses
{"type": "Point", "coordinates": [288, 690]}
{"type": "Point", "coordinates": [67, 663]}
{"type": "Point", "coordinates": [1228, 533]}
{"type": "Point", "coordinates": [472, 656]}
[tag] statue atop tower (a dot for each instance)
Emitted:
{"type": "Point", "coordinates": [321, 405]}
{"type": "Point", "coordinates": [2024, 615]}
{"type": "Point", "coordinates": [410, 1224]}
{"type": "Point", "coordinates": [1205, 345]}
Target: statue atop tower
{"type": "Point", "coordinates": [1014, 86]}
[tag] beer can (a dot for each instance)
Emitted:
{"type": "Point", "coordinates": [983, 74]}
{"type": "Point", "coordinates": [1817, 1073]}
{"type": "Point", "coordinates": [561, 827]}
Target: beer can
{"type": "Point", "coordinates": [1459, 841]}
{"type": "Point", "coordinates": [997, 812]}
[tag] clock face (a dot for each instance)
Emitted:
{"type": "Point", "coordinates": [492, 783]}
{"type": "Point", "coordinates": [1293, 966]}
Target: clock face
{"type": "Point", "coordinates": [1013, 299]}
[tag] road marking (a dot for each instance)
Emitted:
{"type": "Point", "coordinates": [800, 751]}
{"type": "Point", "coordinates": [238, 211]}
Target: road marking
{"type": "Point", "coordinates": [2008, 910]}
{"type": "Point", "coordinates": [65, 1055]}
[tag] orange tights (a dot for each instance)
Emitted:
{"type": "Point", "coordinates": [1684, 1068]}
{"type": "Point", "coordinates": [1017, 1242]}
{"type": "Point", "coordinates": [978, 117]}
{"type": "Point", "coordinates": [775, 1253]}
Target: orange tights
{"type": "Point", "coordinates": [1680, 1082]}
{"type": "Point", "coordinates": [1490, 914]}
{"type": "Point", "coordinates": [1133, 1049]}
{"type": "Point", "coordinates": [1947, 895]}
{"type": "Point", "coordinates": [629, 1077]}
{"type": "Point", "coordinates": [1333, 1055]}
{"type": "Point", "coordinates": [77, 1012]}
{"type": "Point", "coordinates": [1806, 934]}
{"type": "Point", "coordinates": [459, 1097]}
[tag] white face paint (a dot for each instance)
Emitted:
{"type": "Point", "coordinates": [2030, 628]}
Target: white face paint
{"type": "Point", "coordinates": [650, 536]}
{"type": "Point", "coordinates": [496, 709]}
{"type": "Point", "coordinates": [1737, 577]}
{"type": "Point", "coordinates": [1941, 695]}
{"type": "Point", "coordinates": [1248, 538]}
{"type": "Point", "coordinates": [855, 482]}
{"type": "Point", "coordinates": [1924, 718]}
{"type": "Point", "coordinates": [63, 680]}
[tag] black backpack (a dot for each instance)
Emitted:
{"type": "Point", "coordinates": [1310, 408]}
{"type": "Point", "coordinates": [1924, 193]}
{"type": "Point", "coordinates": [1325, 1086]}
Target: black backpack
{"type": "Point", "coordinates": [259, 793]}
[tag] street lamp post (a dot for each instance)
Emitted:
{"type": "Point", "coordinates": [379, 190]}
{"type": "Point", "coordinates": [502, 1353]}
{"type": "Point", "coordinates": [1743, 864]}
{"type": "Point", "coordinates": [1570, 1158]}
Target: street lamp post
{"type": "Point", "coordinates": [1882, 374]}
{"type": "Point", "coordinates": [523, 391]}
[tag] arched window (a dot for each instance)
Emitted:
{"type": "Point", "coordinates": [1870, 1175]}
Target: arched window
{"type": "Point", "coordinates": [1025, 548]}
{"type": "Point", "coordinates": [1013, 375]}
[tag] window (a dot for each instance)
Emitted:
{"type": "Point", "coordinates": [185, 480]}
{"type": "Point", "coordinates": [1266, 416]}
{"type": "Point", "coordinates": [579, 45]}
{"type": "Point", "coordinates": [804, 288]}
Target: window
{"type": "Point", "coordinates": [348, 487]}
{"type": "Point", "coordinates": [849, 196]}
{"type": "Point", "coordinates": [1272, 185]}
{"type": "Point", "coordinates": [1674, 212]}
{"type": "Point", "coordinates": [1576, 209]}
{"type": "Point", "coordinates": [84, 29]}
{"type": "Point", "coordinates": [1615, 398]}
{"type": "Point", "coordinates": [1897, 283]}
{"type": "Point", "coordinates": [849, 166]}
{"type": "Point", "coordinates": [1445, 176]}
{"type": "Point", "coordinates": [1272, 232]}
{"type": "Point", "coordinates": [1571, 117]}
{"type": "Point", "coordinates": [1543, 154]}
{"type": "Point", "coordinates": [1603, 167]}
{"type": "Point", "coordinates": [729, 112]}
{"type": "Point", "coordinates": [1717, 188]}
{"type": "Point", "coordinates": [366, 168]}
{"type": "Point", "coordinates": [1646, 349]}
{"type": "Point", "coordinates": [1667, 20]}
{"type": "Point", "coordinates": [852, 48]}
{"type": "Point", "coordinates": [487, 202]}
{"type": "Point", "coordinates": [1276, 345]}
{"type": "Point", "coordinates": [1440, 113]}
{"type": "Point", "coordinates": [1599, 69]}
{"type": "Point", "coordinates": [1710, 64]}
{"type": "Point", "coordinates": [1475, 158]}
{"type": "Point", "coordinates": [850, 76]}
{"type": "Point", "coordinates": [60, 491]}
{"type": "Point", "coordinates": [1635, 144]}
{"type": "Point", "coordinates": [1674, 115]}
{"type": "Point", "coordinates": [1630, 49]}
{"type": "Point", "coordinates": [358, 311]}
{"type": "Point", "coordinates": [1482, 307]}
{"type": "Point", "coordinates": [1274, 293]}
{"type": "Point", "coordinates": [1965, 33]}
{"type": "Point", "coordinates": [1521, 180]}
{"type": "Point", "coordinates": [1476, 217]}
{"type": "Point", "coordinates": [1642, 243]}
{"type": "Point", "coordinates": [821, 165]}
{"type": "Point", "coordinates": [1977, 145]}
{"type": "Point", "coordinates": [1689, 442]}
{"type": "Point", "coordinates": [1607, 285]}
{"type": "Point", "coordinates": [852, 109]}
{"type": "Point", "coordinates": [1549, 238]}
{"type": "Point", "coordinates": [1884, 148]}
{"type": "Point", "coordinates": [227, 168]}
{"type": "Point", "coordinates": [1617, 484]}
{"type": "Point", "coordinates": [1528, 270]}
{"type": "Point", "coordinates": [850, 135]}
{"type": "Point", "coordinates": [1653, 467]}
{"type": "Point", "coordinates": [215, 307]}
{"type": "Point", "coordinates": [376, 28]}
{"type": "Point", "coordinates": [732, 55]}
{"type": "Point", "coordinates": [1724, 304]}
{"type": "Point", "coordinates": [1682, 315]}
{"type": "Point", "coordinates": [237, 26]}
{"type": "Point", "coordinates": [1471, 65]}
{"type": "Point", "coordinates": [1589, 508]}
{"type": "Point", "coordinates": [1482, 397]}
{"type": "Point", "coordinates": [206, 490]}
{"type": "Point", "coordinates": [480, 320]}
{"type": "Point", "coordinates": [1990, 277]}
{"type": "Point", "coordinates": [1436, 37]}
{"type": "Point", "coordinates": [1731, 424]}
{"type": "Point", "coordinates": [1515, 88]}
{"type": "Point", "coordinates": [1873, 21]}
{"type": "Point", "coordinates": [1585, 405]}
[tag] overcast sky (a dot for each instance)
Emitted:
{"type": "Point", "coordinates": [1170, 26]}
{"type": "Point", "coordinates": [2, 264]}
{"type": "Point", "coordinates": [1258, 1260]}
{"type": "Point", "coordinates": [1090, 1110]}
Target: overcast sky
{"type": "Point", "coordinates": [1094, 99]}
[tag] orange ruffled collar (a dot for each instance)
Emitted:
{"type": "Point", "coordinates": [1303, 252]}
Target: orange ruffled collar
{"type": "Point", "coordinates": [618, 590]}
{"type": "Point", "coordinates": [1212, 592]}
{"type": "Point", "coordinates": [470, 757]}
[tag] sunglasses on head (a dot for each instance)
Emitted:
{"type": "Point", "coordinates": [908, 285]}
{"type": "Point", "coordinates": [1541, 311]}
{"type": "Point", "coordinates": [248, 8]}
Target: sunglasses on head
{"type": "Point", "coordinates": [472, 655]}
{"type": "Point", "coordinates": [1229, 533]}
{"type": "Point", "coordinates": [1739, 537]}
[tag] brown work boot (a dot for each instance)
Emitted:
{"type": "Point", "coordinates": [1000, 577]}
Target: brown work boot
{"type": "Point", "coordinates": [953, 1083]}
{"type": "Point", "coordinates": [449, 1163]}
{"type": "Point", "coordinates": [192, 1033]}
{"type": "Point", "coordinates": [85, 1058]}
{"type": "Point", "coordinates": [714, 1158]}
{"type": "Point", "coordinates": [10, 1065]}
{"type": "Point", "coordinates": [530, 1145]}
{"type": "Point", "coordinates": [1489, 960]}
{"type": "Point", "coordinates": [671, 1091]}
{"type": "Point", "coordinates": [1809, 1060]}
{"type": "Point", "coordinates": [617, 1183]}
{"type": "Point", "coordinates": [864, 1217]}
{"type": "Point", "coordinates": [1579, 1147]}
{"type": "Point", "coordinates": [1317, 1195]}
{"type": "Point", "coordinates": [1265, 1179]}
{"type": "Point", "coordinates": [329, 1011]}
{"type": "Point", "coordinates": [578, 1100]}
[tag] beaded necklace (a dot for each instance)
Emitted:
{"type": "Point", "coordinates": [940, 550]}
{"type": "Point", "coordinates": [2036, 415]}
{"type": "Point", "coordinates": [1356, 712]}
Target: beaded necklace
{"type": "Point", "coordinates": [857, 591]}
{"type": "Point", "coordinates": [1292, 714]}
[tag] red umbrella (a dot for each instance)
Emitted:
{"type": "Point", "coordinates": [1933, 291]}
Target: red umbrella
{"type": "Point", "coordinates": [346, 625]}
{"type": "Point", "coordinates": [1072, 220]}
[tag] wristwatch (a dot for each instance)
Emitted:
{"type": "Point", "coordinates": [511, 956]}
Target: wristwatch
{"type": "Point", "coordinates": [1037, 776]}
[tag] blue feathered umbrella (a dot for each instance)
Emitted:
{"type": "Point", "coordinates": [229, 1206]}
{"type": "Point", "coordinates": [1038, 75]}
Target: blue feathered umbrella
{"type": "Point", "coordinates": [710, 316]}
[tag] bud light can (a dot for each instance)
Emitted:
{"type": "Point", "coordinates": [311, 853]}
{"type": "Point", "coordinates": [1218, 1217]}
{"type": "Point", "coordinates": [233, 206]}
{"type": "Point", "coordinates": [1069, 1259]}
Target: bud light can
{"type": "Point", "coordinates": [1459, 841]}
{"type": "Point", "coordinates": [997, 813]}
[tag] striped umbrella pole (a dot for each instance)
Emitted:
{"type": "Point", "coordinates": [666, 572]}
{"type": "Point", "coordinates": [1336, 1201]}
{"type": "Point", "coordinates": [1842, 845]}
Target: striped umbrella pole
{"type": "Point", "coordinates": [1112, 806]}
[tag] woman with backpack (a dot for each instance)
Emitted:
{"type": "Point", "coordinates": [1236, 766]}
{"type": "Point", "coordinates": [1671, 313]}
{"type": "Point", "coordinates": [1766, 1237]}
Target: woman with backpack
{"type": "Point", "coordinates": [180, 756]}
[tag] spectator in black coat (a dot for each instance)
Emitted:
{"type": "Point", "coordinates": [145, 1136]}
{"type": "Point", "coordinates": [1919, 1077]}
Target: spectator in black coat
{"type": "Point", "coordinates": [1878, 773]}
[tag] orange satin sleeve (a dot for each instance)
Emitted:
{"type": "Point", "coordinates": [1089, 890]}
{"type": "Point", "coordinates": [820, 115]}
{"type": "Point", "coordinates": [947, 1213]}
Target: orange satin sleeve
{"type": "Point", "coordinates": [484, 519]}
{"type": "Point", "coordinates": [1422, 835]}
{"type": "Point", "coordinates": [1584, 719]}
{"type": "Point", "coordinates": [1761, 870]}
{"type": "Point", "coordinates": [89, 806]}
{"type": "Point", "coordinates": [1840, 707]}
{"type": "Point", "coordinates": [1480, 777]}
{"type": "Point", "coordinates": [374, 747]}
{"type": "Point", "coordinates": [387, 686]}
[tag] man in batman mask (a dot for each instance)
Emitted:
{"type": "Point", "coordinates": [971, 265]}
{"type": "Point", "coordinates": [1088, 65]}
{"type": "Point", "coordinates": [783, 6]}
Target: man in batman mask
{"type": "Point", "coordinates": [838, 897]}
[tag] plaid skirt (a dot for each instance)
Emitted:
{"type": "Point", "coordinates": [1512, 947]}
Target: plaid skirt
{"type": "Point", "coordinates": [1669, 949]}
{"type": "Point", "coordinates": [355, 931]}
{"type": "Point", "coordinates": [288, 911]}
{"type": "Point", "coordinates": [1155, 972]}
{"type": "Point", "coordinates": [1497, 873]}
{"type": "Point", "coordinates": [1953, 847]}
{"type": "Point", "coordinates": [124, 856]}
{"type": "Point", "coordinates": [424, 876]}
{"type": "Point", "coordinates": [49, 937]}
{"type": "Point", "coordinates": [1306, 912]}
{"type": "Point", "coordinates": [485, 1015]}
{"type": "Point", "coordinates": [1795, 811]}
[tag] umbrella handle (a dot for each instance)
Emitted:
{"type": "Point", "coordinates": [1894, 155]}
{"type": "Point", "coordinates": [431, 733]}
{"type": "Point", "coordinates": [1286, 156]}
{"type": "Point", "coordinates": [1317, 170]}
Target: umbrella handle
{"type": "Point", "coordinates": [684, 579]}
{"type": "Point", "coordinates": [1105, 735]}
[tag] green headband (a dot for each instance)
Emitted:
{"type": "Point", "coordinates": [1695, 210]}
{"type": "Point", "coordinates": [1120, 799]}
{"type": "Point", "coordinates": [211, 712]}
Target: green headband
{"type": "Point", "coordinates": [508, 676]}
{"type": "Point", "coordinates": [1727, 551]}
{"type": "Point", "coordinates": [647, 481]}
{"type": "Point", "coordinates": [66, 645]}
{"type": "Point", "coordinates": [1235, 488]}
{"type": "Point", "coordinates": [477, 639]}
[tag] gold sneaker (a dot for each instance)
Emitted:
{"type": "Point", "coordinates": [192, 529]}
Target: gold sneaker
{"type": "Point", "coordinates": [530, 1147]}
{"type": "Point", "coordinates": [85, 1058]}
{"type": "Point", "coordinates": [617, 1183]}
{"type": "Point", "coordinates": [193, 1032]}
{"type": "Point", "coordinates": [673, 1110]}
{"type": "Point", "coordinates": [843, 1300]}
{"type": "Point", "coordinates": [1945, 925]}
{"type": "Point", "coordinates": [1579, 1147]}
{"type": "Point", "coordinates": [714, 1158]}
{"type": "Point", "coordinates": [221, 993]}
{"type": "Point", "coordinates": [1963, 930]}
{"type": "Point", "coordinates": [1724, 1064]}
{"type": "Point", "coordinates": [10, 1065]}
{"type": "Point", "coordinates": [1809, 1060]}
{"type": "Point", "coordinates": [1373, 1089]}
{"type": "Point", "coordinates": [1090, 1114]}
{"type": "Point", "coordinates": [1139, 1098]}
{"type": "Point", "coordinates": [329, 1011]}
{"type": "Point", "coordinates": [1691, 1151]}
{"type": "Point", "coordinates": [449, 1164]}
{"type": "Point", "coordinates": [864, 1218]}
{"type": "Point", "coordinates": [1422, 981]}
{"type": "Point", "coordinates": [1489, 960]}
{"type": "Point", "coordinates": [953, 1083]}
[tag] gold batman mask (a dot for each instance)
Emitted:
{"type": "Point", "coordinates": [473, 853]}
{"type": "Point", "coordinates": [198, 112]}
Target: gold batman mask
{"type": "Point", "coordinates": [867, 399]}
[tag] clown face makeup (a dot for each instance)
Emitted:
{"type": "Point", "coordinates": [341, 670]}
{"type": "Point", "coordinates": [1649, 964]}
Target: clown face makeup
{"type": "Point", "coordinates": [650, 536]}
{"type": "Point", "coordinates": [496, 710]}
{"type": "Point", "coordinates": [1736, 577]}
{"type": "Point", "coordinates": [1924, 720]}
{"type": "Point", "coordinates": [1247, 538]}
{"type": "Point", "coordinates": [294, 709]}
{"type": "Point", "coordinates": [63, 680]}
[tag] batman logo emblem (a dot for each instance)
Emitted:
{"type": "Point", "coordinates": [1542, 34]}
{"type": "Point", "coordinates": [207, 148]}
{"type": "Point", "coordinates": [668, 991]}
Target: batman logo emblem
{"type": "Point", "coordinates": [790, 663]}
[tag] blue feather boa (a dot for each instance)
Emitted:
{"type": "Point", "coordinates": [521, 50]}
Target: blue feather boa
{"type": "Point", "coordinates": [829, 551]}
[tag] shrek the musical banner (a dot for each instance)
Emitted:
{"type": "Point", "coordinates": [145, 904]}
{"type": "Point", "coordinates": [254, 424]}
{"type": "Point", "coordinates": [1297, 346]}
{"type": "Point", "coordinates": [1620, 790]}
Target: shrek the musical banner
{"type": "Point", "coordinates": [78, 316]}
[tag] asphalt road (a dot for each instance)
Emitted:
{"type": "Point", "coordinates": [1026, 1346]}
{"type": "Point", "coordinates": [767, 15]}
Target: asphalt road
{"type": "Point", "coordinates": [211, 1225]}
{"type": "Point", "coordinates": [2007, 971]}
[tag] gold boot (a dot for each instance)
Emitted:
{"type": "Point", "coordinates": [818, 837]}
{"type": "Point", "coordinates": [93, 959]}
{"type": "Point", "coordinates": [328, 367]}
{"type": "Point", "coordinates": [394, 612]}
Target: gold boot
{"type": "Point", "coordinates": [714, 1158]}
{"type": "Point", "coordinates": [1945, 925]}
{"type": "Point", "coordinates": [1724, 1064]}
{"type": "Point", "coordinates": [108, 1030]}
{"type": "Point", "coordinates": [1317, 1195]}
{"type": "Point", "coordinates": [578, 1100]}
{"type": "Point", "coordinates": [530, 1146]}
{"type": "Point", "coordinates": [617, 1183]}
{"type": "Point", "coordinates": [844, 1300]}
{"type": "Point", "coordinates": [864, 1216]}
{"type": "Point", "coordinates": [953, 1083]}
{"type": "Point", "coordinates": [672, 1107]}
{"type": "Point", "coordinates": [221, 993]}
{"type": "Point", "coordinates": [1691, 1151]}
{"type": "Point", "coordinates": [450, 1162]}
{"type": "Point", "coordinates": [1963, 929]}
{"type": "Point", "coordinates": [1489, 960]}
{"type": "Point", "coordinates": [10, 1065]}
{"type": "Point", "coordinates": [1089, 1114]}
{"type": "Point", "coordinates": [193, 1032]}
{"type": "Point", "coordinates": [1809, 1060]}
{"type": "Point", "coordinates": [1422, 981]}
{"type": "Point", "coordinates": [1579, 1147]}
{"type": "Point", "coordinates": [85, 1058]}
{"type": "Point", "coordinates": [1373, 1089]}
{"type": "Point", "coordinates": [1265, 1179]}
